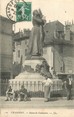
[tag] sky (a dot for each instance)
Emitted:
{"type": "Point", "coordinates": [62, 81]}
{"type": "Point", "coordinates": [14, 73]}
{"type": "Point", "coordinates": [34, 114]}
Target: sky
{"type": "Point", "coordinates": [62, 10]}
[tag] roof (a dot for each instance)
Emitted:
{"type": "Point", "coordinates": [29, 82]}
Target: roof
{"type": "Point", "coordinates": [51, 29]}
{"type": "Point", "coordinates": [19, 36]}
{"type": "Point", "coordinates": [6, 19]}
{"type": "Point", "coordinates": [66, 73]}
{"type": "Point", "coordinates": [56, 21]}
{"type": "Point", "coordinates": [55, 24]}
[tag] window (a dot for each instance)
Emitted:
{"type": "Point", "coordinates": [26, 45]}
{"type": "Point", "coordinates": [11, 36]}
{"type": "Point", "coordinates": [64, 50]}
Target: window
{"type": "Point", "coordinates": [26, 52]}
{"type": "Point", "coordinates": [61, 49]}
{"type": "Point", "coordinates": [18, 53]}
{"type": "Point", "coordinates": [45, 50]}
{"type": "Point", "coordinates": [18, 43]}
{"type": "Point", "coordinates": [47, 31]}
{"type": "Point", "coordinates": [25, 41]}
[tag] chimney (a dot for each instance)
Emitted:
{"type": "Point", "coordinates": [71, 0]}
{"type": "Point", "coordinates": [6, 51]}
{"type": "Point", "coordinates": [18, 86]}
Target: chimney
{"type": "Point", "coordinates": [67, 31]}
{"type": "Point", "coordinates": [72, 22]}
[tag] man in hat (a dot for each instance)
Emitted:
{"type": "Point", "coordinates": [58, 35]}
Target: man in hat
{"type": "Point", "coordinates": [69, 87]}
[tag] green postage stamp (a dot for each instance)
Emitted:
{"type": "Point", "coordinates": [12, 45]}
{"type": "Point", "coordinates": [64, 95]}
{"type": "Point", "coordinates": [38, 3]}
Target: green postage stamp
{"type": "Point", "coordinates": [23, 11]}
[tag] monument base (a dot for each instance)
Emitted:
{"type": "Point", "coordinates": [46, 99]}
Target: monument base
{"type": "Point", "coordinates": [33, 62]}
{"type": "Point", "coordinates": [32, 80]}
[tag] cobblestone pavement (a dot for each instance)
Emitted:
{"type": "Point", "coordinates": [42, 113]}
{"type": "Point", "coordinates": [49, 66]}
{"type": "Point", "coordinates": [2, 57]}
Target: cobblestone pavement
{"type": "Point", "coordinates": [38, 103]}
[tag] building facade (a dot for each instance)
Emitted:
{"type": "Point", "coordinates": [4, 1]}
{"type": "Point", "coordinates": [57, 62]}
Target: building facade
{"type": "Point", "coordinates": [60, 39]}
{"type": "Point", "coordinates": [6, 53]}
{"type": "Point", "coordinates": [54, 33]}
{"type": "Point", "coordinates": [21, 40]}
{"type": "Point", "coordinates": [58, 47]}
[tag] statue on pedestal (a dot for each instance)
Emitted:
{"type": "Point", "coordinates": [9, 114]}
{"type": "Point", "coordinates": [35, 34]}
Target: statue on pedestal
{"type": "Point", "coordinates": [36, 45]}
{"type": "Point", "coordinates": [35, 50]}
{"type": "Point", "coordinates": [35, 67]}
{"type": "Point", "coordinates": [37, 34]}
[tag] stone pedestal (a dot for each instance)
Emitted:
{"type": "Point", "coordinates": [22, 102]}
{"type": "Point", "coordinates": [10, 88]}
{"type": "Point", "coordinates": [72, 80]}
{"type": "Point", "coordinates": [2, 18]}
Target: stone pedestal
{"type": "Point", "coordinates": [33, 62]}
{"type": "Point", "coordinates": [32, 80]}
{"type": "Point", "coordinates": [29, 78]}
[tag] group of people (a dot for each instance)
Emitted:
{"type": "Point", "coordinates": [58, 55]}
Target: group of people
{"type": "Point", "coordinates": [21, 95]}
{"type": "Point", "coordinates": [68, 83]}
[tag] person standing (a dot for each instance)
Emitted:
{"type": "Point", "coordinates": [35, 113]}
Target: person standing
{"type": "Point", "coordinates": [47, 88]}
{"type": "Point", "coordinates": [69, 87]}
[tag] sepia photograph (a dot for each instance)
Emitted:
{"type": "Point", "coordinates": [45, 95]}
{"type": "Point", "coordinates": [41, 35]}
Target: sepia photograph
{"type": "Point", "coordinates": [36, 58]}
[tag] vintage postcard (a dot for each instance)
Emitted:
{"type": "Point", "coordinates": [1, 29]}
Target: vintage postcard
{"type": "Point", "coordinates": [36, 58]}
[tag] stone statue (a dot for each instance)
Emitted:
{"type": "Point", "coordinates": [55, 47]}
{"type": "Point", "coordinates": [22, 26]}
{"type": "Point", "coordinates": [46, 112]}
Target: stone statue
{"type": "Point", "coordinates": [37, 34]}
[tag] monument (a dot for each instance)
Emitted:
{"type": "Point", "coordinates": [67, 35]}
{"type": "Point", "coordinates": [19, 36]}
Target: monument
{"type": "Point", "coordinates": [35, 67]}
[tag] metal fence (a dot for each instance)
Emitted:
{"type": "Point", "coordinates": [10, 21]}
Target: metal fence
{"type": "Point", "coordinates": [3, 85]}
{"type": "Point", "coordinates": [36, 89]}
